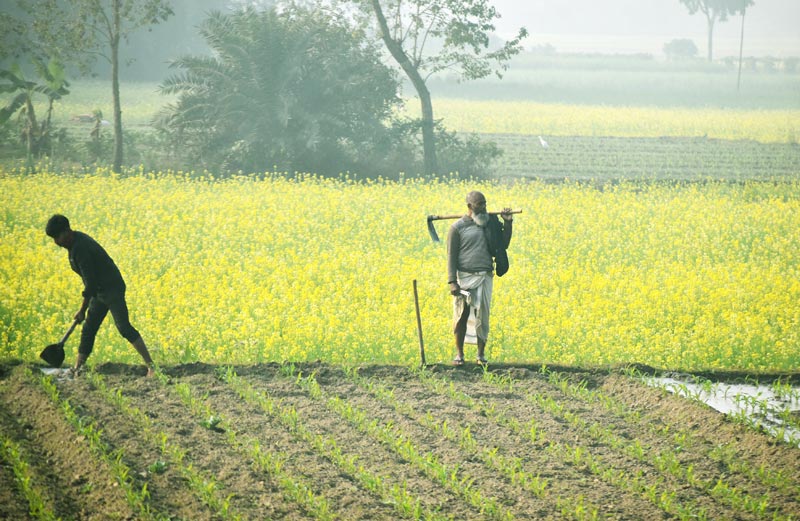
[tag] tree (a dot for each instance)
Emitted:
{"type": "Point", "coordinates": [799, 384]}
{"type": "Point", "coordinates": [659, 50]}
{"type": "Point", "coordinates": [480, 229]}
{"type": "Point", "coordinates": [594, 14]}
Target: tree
{"type": "Point", "coordinates": [147, 53]}
{"type": "Point", "coordinates": [460, 29]}
{"type": "Point", "coordinates": [110, 21]}
{"type": "Point", "coordinates": [715, 10]}
{"type": "Point", "coordinates": [78, 31]}
{"type": "Point", "coordinates": [293, 89]}
{"type": "Point", "coordinates": [53, 85]}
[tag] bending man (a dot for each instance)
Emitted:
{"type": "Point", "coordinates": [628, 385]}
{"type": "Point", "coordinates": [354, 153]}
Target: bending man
{"type": "Point", "coordinates": [470, 270]}
{"type": "Point", "coordinates": [103, 289]}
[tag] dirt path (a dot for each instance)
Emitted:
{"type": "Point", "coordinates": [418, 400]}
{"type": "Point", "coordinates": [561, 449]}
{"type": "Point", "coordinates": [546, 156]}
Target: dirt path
{"type": "Point", "coordinates": [303, 441]}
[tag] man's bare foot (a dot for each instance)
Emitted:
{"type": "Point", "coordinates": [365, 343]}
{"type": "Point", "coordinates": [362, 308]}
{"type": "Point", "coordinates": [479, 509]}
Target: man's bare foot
{"type": "Point", "coordinates": [150, 371]}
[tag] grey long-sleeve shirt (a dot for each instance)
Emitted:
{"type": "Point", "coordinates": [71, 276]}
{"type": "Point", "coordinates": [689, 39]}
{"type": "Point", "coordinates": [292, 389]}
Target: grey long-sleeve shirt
{"type": "Point", "coordinates": [467, 247]}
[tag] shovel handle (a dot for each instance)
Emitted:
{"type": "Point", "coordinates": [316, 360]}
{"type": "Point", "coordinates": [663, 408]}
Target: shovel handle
{"type": "Point", "coordinates": [459, 216]}
{"type": "Point", "coordinates": [69, 332]}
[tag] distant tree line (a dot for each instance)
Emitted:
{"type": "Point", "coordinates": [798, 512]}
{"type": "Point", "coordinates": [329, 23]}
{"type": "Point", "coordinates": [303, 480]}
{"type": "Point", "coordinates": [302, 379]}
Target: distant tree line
{"type": "Point", "coordinates": [298, 90]}
{"type": "Point", "coordinates": [296, 86]}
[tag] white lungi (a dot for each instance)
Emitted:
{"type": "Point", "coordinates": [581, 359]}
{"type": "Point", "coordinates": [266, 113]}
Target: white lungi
{"type": "Point", "coordinates": [479, 300]}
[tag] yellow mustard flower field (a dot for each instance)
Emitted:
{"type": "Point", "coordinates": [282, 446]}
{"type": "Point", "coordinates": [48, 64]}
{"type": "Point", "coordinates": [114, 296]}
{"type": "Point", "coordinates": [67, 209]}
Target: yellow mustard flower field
{"type": "Point", "coordinates": [700, 276]}
{"type": "Point", "coordinates": [524, 117]}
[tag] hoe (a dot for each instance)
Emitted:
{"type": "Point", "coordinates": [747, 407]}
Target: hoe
{"type": "Point", "coordinates": [54, 353]}
{"type": "Point", "coordinates": [431, 218]}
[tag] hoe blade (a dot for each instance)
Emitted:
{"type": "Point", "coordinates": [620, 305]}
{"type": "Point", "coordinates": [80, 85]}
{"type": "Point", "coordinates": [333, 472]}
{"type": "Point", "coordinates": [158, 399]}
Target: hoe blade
{"type": "Point", "coordinates": [53, 354]}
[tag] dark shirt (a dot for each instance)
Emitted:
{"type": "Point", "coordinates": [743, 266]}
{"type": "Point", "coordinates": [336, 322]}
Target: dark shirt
{"type": "Point", "coordinates": [89, 260]}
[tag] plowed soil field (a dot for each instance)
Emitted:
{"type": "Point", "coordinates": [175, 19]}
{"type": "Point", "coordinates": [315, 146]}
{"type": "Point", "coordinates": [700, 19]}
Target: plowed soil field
{"type": "Point", "coordinates": [303, 441]}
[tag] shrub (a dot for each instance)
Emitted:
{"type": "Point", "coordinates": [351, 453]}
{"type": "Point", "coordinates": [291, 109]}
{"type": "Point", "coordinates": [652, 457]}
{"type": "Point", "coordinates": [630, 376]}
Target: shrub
{"type": "Point", "coordinates": [681, 48]}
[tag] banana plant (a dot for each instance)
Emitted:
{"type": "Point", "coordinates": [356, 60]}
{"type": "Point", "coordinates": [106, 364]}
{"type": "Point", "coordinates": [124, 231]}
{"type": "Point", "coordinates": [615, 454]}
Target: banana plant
{"type": "Point", "coordinates": [52, 82]}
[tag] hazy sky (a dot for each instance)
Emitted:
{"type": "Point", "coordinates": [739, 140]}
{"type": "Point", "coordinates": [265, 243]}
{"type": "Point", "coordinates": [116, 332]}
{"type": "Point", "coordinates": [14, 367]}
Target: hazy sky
{"type": "Point", "coordinates": [771, 26]}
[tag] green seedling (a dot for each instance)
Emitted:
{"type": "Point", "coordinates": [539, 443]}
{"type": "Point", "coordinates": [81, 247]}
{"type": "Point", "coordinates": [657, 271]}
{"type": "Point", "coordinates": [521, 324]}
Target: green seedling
{"type": "Point", "coordinates": [405, 503]}
{"type": "Point", "coordinates": [157, 467]}
{"type": "Point", "coordinates": [212, 423]}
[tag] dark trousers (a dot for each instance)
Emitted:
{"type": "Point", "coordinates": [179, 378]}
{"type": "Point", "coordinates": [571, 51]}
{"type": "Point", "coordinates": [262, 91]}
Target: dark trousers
{"type": "Point", "coordinates": [99, 307]}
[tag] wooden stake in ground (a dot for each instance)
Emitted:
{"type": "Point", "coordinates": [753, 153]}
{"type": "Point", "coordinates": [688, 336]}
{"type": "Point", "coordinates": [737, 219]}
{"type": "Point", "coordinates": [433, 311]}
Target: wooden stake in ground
{"type": "Point", "coordinates": [419, 327]}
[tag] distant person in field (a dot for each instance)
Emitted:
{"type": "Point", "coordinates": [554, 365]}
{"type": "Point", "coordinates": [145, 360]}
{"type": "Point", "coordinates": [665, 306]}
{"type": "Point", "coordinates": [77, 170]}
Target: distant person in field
{"type": "Point", "coordinates": [103, 289]}
{"type": "Point", "coordinates": [473, 242]}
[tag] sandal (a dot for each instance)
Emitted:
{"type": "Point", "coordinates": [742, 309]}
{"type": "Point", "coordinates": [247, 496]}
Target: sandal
{"type": "Point", "coordinates": [458, 361]}
{"type": "Point", "coordinates": [482, 361]}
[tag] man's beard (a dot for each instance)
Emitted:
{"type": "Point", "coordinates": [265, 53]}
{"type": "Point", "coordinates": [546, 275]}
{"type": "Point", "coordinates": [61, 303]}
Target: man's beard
{"type": "Point", "coordinates": [481, 219]}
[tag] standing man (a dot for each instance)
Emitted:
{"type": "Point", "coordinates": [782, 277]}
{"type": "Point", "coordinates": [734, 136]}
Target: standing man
{"type": "Point", "coordinates": [470, 269]}
{"type": "Point", "coordinates": [103, 289]}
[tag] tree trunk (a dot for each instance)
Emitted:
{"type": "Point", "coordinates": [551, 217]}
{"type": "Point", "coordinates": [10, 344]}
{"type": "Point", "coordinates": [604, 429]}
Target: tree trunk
{"type": "Point", "coordinates": [710, 38]}
{"type": "Point", "coordinates": [31, 134]}
{"type": "Point", "coordinates": [428, 137]}
{"type": "Point", "coordinates": [396, 50]}
{"type": "Point", "coordinates": [741, 51]}
{"type": "Point", "coordinates": [47, 141]}
{"type": "Point", "coordinates": [115, 35]}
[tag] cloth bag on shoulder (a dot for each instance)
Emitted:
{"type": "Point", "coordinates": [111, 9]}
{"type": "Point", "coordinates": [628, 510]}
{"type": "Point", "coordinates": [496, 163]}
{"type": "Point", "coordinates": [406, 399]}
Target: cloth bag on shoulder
{"type": "Point", "coordinates": [497, 248]}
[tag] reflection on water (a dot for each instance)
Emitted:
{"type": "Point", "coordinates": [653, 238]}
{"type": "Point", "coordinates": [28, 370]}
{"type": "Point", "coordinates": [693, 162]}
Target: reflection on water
{"type": "Point", "coordinates": [775, 408]}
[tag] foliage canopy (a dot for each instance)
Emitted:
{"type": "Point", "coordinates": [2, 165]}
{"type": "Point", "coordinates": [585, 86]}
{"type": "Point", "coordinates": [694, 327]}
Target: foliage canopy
{"type": "Point", "coordinates": [714, 11]}
{"type": "Point", "coordinates": [295, 90]}
{"type": "Point", "coordinates": [52, 83]}
{"type": "Point", "coordinates": [426, 37]}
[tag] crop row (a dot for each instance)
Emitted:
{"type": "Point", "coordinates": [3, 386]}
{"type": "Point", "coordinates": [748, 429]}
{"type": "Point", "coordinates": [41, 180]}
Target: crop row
{"type": "Point", "coordinates": [12, 455]}
{"type": "Point", "coordinates": [68, 468]}
{"type": "Point", "coordinates": [576, 454]}
{"type": "Point", "coordinates": [203, 485]}
{"type": "Point", "coordinates": [322, 442]}
{"type": "Point", "coordinates": [610, 158]}
{"type": "Point", "coordinates": [405, 504]}
{"type": "Point", "coordinates": [666, 460]}
{"type": "Point", "coordinates": [676, 435]}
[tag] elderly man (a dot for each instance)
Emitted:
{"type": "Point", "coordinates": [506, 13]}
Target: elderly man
{"type": "Point", "coordinates": [470, 269]}
{"type": "Point", "coordinates": [104, 289]}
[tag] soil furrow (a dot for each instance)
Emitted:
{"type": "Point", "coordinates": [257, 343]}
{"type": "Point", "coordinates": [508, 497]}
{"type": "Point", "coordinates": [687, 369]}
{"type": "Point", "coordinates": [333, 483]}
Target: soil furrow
{"type": "Point", "coordinates": [474, 438]}
{"type": "Point", "coordinates": [530, 442]}
{"type": "Point", "coordinates": [250, 494]}
{"type": "Point", "coordinates": [371, 454]}
{"type": "Point", "coordinates": [13, 503]}
{"type": "Point", "coordinates": [708, 427]}
{"type": "Point", "coordinates": [660, 439]}
{"type": "Point", "coordinates": [613, 439]}
{"type": "Point", "coordinates": [578, 448]}
{"type": "Point", "coordinates": [568, 479]}
{"type": "Point", "coordinates": [82, 485]}
{"type": "Point", "coordinates": [169, 494]}
{"type": "Point", "coordinates": [300, 460]}
{"type": "Point", "coordinates": [45, 480]}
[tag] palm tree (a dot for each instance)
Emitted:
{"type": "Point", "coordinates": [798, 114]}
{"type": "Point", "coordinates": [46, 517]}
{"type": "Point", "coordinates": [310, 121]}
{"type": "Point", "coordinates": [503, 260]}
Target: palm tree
{"type": "Point", "coordinates": [291, 89]}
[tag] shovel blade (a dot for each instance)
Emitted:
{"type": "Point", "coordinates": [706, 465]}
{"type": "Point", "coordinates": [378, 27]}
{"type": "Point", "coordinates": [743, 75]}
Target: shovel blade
{"type": "Point", "coordinates": [53, 355]}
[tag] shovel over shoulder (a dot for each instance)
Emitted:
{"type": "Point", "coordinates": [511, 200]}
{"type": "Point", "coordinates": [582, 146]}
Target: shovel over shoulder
{"type": "Point", "coordinates": [54, 353]}
{"type": "Point", "coordinates": [431, 218]}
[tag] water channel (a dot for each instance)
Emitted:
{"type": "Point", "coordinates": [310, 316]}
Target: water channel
{"type": "Point", "coordinates": [775, 407]}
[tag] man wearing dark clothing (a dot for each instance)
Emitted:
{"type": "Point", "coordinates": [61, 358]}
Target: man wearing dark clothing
{"type": "Point", "coordinates": [103, 289]}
